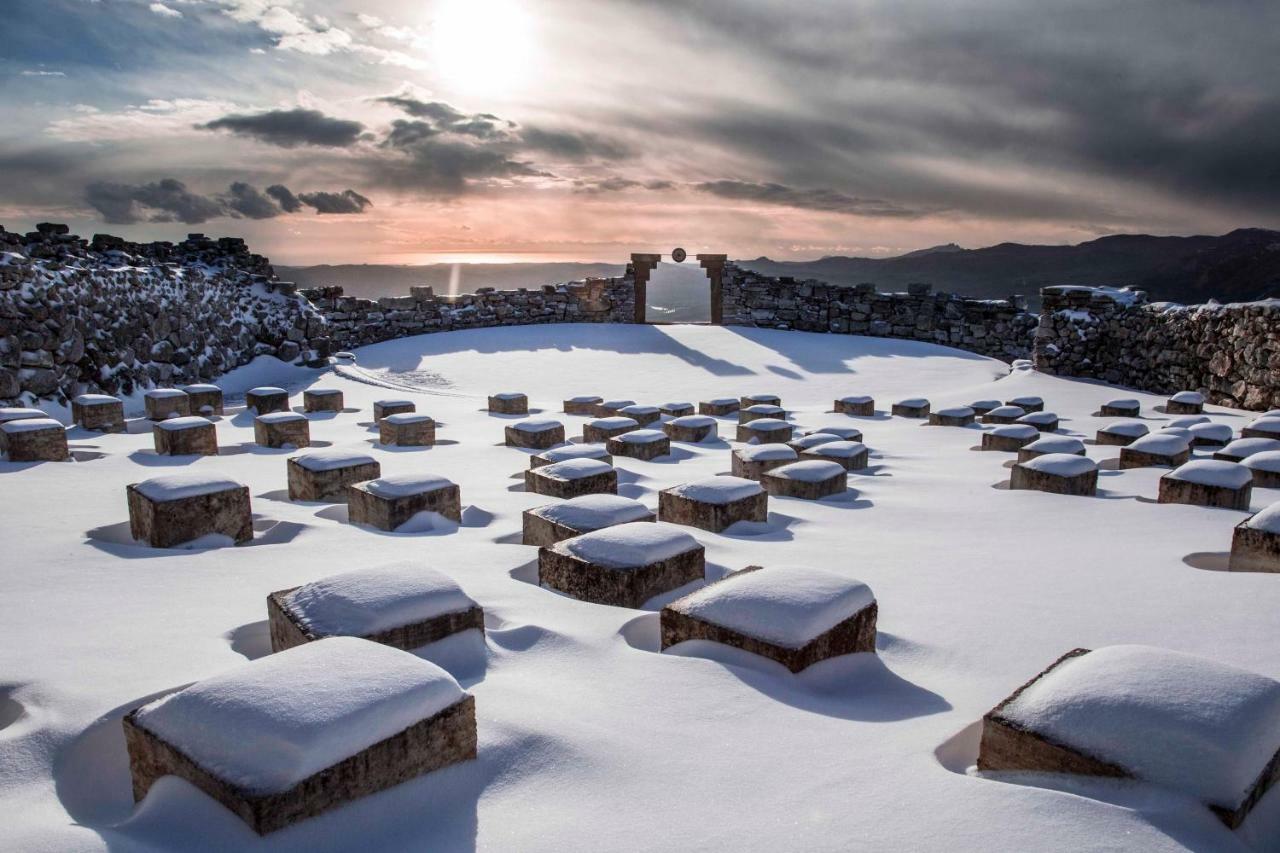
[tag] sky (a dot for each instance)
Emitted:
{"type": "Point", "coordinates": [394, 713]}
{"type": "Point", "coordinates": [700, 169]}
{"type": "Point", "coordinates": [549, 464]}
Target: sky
{"type": "Point", "coordinates": [388, 131]}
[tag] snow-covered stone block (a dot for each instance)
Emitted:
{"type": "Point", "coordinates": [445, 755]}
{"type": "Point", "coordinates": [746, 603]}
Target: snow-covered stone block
{"type": "Point", "coordinates": [1267, 426]}
{"type": "Point", "coordinates": [16, 413]}
{"type": "Point", "coordinates": [1208, 482]}
{"type": "Point", "coordinates": [266, 399]}
{"type": "Point", "coordinates": [677, 410]}
{"type": "Point", "coordinates": [1027, 403]}
{"type": "Point", "coordinates": [611, 408]}
{"type": "Point", "coordinates": [858, 405]}
{"type": "Point", "coordinates": [295, 734]}
{"type": "Point", "coordinates": [714, 503]}
{"type": "Point", "coordinates": [640, 444]}
{"type": "Point", "coordinates": [1051, 444]}
{"type": "Point", "coordinates": [852, 455]}
{"type": "Point", "coordinates": [322, 400]}
{"type": "Point", "coordinates": [955, 416]}
{"type": "Point", "coordinates": [765, 431]}
{"type": "Point", "coordinates": [323, 475]}
{"type": "Point", "coordinates": [912, 407]}
{"type": "Point", "coordinates": [750, 462]}
{"type": "Point", "coordinates": [643, 415]}
{"type": "Point", "coordinates": [386, 408]}
{"type": "Point", "coordinates": [35, 440]}
{"type": "Point", "coordinates": [1158, 450]}
{"type": "Point", "coordinates": [570, 451]}
{"type": "Point", "coordinates": [982, 407]}
{"type": "Point", "coordinates": [1266, 469]}
{"type": "Point", "coordinates": [844, 433]}
{"type": "Point", "coordinates": [601, 430]}
{"type": "Point", "coordinates": [98, 412]}
{"type": "Point", "coordinates": [164, 403]}
{"type": "Point", "coordinates": [171, 510]}
{"type": "Point", "coordinates": [1191, 725]}
{"type": "Point", "coordinates": [1125, 407]}
{"type": "Point", "coordinates": [761, 410]}
{"type": "Point", "coordinates": [185, 436]}
{"type": "Point", "coordinates": [509, 403]}
{"type": "Point", "coordinates": [1120, 433]}
{"type": "Point", "coordinates": [282, 429]}
{"type": "Point", "coordinates": [719, 407]}
{"type": "Point", "coordinates": [1255, 545]}
{"type": "Point", "coordinates": [1009, 438]}
{"type": "Point", "coordinates": [809, 479]}
{"type": "Point", "coordinates": [536, 433]}
{"type": "Point", "coordinates": [407, 429]}
{"type": "Point", "coordinates": [547, 525]}
{"type": "Point", "coordinates": [1003, 415]}
{"type": "Point", "coordinates": [1211, 435]}
{"type": "Point", "coordinates": [624, 565]}
{"type": "Point", "coordinates": [582, 405]}
{"type": "Point", "coordinates": [812, 439]}
{"type": "Point", "coordinates": [388, 502]}
{"type": "Point", "coordinates": [406, 605]}
{"type": "Point", "coordinates": [571, 478]}
{"type": "Point", "coordinates": [1185, 403]}
{"type": "Point", "coordinates": [1185, 422]}
{"type": "Point", "coordinates": [1243, 448]}
{"type": "Point", "coordinates": [1059, 473]}
{"type": "Point", "coordinates": [691, 428]}
{"type": "Point", "coordinates": [205, 399]}
{"type": "Point", "coordinates": [797, 616]}
{"type": "Point", "coordinates": [1041, 420]}
{"type": "Point", "coordinates": [759, 400]}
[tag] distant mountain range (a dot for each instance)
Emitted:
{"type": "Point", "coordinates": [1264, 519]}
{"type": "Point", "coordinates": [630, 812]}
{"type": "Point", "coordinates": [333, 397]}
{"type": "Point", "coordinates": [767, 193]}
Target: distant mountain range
{"type": "Point", "coordinates": [1236, 267]}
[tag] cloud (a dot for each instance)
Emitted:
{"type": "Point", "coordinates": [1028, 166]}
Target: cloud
{"type": "Point", "coordinates": [831, 201]}
{"type": "Point", "coordinates": [245, 200]}
{"type": "Point", "coordinates": [164, 11]}
{"type": "Point", "coordinates": [291, 128]}
{"type": "Point", "coordinates": [169, 200]}
{"type": "Point", "coordinates": [347, 201]}
{"type": "Point", "coordinates": [573, 146]}
{"type": "Point", "coordinates": [619, 184]}
{"type": "Point", "coordinates": [36, 72]}
{"type": "Point", "coordinates": [285, 198]}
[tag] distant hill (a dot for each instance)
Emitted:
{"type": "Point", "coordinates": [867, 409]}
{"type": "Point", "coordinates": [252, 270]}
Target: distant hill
{"type": "Point", "coordinates": [373, 280]}
{"type": "Point", "coordinates": [1236, 267]}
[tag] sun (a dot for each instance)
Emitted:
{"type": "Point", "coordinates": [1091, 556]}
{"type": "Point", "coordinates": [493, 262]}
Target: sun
{"type": "Point", "coordinates": [483, 47]}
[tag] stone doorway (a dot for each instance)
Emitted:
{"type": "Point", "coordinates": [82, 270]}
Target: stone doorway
{"type": "Point", "coordinates": [674, 290]}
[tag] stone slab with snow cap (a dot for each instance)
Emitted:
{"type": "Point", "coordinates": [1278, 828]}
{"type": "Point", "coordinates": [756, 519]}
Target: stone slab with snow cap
{"type": "Point", "coordinates": [282, 429]}
{"type": "Point", "coordinates": [1052, 444]}
{"type": "Point", "coordinates": [1185, 422]}
{"type": "Point", "coordinates": [845, 433]}
{"type": "Point", "coordinates": [719, 406]}
{"type": "Point", "coordinates": [794, 615]}
{"type": "Point", "coordinates": [1208, 482]}
{"type": "Point", "coordinates": [323, 475]}
{"type": "Point", "coordinates": [611, 408]}
{"type": "Point", "coordinates": [1185, 403]}
{"type": "Point", "coordinates": [98, 412]}
{"type": "Point", "coordinates": [388, 503]}
{"type": "Point", "coordinates": [809, 479]}
{"type": "Point", "coordinates": [1211, 435]}
{"type": "Point", "coordinates": [677, 409]}
{"type": "Point", "coordinates": [1267, 426]}
{"type": "Point", "coordinates": [185, 435]}
{"type": "Point", "coordinates": [1198, 727]}
{"type": "Point", "coordinates": [1265, 467]}
{"type": "Point", "coordinates": [813, 439]}
{"type": "Point", "coordinates": [571, 478]}
{"type": "Point", "coordinates": [747, 414]}
{"type": "Point", "coordinates": [1041, 420]}
{"type": "Point", "coordinates": [640, 444]}
{"type": "Point", "coordinates": [691, 428]}
{"type": "Point", "coordinates": [407, 429]}
{"type": "Point", "coordinates": [856, 405]}
{"type": "Point", "coordinates": [1121, 407]}
{"type": "Point", "coordinates": [1059, 473]}
{"type": "Point", "coordinates": [406, 605]}
{"type": "Point", "coordinates": [643, 415]}
{"type": "Point", "coordinates": [322, 400]}
{"type": "Point", "coordinates": [752, 461]}
{"type": "Point", "coordinates": [764, 399]}
{"type": "Point", "coordinates": [1003, 415]}
{"type": "Point", "coordinates": [1121, 433]}
{"type": "Point", "coordinates": [1028, 403]}
{"type": "Point", "coordinates": [266, 399]}
{"type": "Point", "coordinates": [41, 439]}
{"type": "Point", "coordinates": [714, 503]}
{"type": "Point", "coordinates": [385, 408]}
{"type": "Point", "coordinates": [570, 451]}
{"type": "Point", "coordinates": [982, 407]}
{"type": "Point", "coordinates": [179, 508]}
{"type": "Point", "coordinates": [205, 399]}
{"type": "Point", "coordinates": [600, 430]}
{"type": "Point", "coordinates": [509, 403]}
{"type": "Point", "coordinates": [584, 404]}
{"type": "Point", "coordinates": [294, 734]}
{"type": "Point", "coordinates": [1161, 449]}
{"type": "Point", "coordinates": [851, 455]}
{"type": "Point", "coordinates": [911, 407]}
{"type": "Point", "coordinates": [765, 431]}
{"type": "Point", "coordinates": [624, 565]}
{"type": "Point", "coordinates": [1255, 543]}
{"type": "Point", "coordinates": [953, 416]}
{"type": "Point", "coordinates": [1242, 448]}
{"type": "Point", "coordinates": [19, 413]}
{"type": "Point", "coordinates": [536, 433]}
{"type": "Point", "coordinates": [161, 403]}
{"type": "Point", "coordinates": [547, 525]}
{"type": "Point", "coordinates": [1009, 437]}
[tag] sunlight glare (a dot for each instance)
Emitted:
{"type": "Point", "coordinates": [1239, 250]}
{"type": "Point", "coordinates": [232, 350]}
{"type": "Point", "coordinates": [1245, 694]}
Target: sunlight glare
{"type": "Point", "coordinates": [483, 47]}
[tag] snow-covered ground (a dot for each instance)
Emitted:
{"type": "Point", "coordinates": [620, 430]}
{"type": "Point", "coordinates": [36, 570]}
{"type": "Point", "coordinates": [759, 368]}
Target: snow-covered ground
{"type": "Point", "coordinates": [590, 739]}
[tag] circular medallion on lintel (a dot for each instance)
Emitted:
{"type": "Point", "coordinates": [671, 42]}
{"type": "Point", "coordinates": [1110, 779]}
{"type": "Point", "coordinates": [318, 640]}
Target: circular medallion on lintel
{"type": "Point", "coordinates": [678, 255]}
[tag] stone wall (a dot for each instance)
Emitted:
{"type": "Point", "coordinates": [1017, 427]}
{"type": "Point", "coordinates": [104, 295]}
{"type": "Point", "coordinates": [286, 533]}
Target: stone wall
{"type": "Point", "coordinates": [105, 315]}
{"type": "Point", "coordinates": [999, 328]}
{"type": "Point", "coordinates": [1230, 353]}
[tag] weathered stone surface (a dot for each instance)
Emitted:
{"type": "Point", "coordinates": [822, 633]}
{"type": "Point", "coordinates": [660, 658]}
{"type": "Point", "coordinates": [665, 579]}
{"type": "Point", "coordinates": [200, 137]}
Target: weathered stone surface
{"type": "Point", "coordinates": [802, 480]}
{"type": "Point", "coordinates": [383, 408]}
{"type": "Point", "coordinates": [204, 399]}
{"type": "Point", "coordinates": [35, 440]}
{"type": "Point", "coordinates": [538, 435]}
{"type": "Point", "coordinates": [264, 401]}
{"type": "Point", "coordinates": [1023, 476]}
{"type": "Point", "coordinates": [719, 407]}
{"type": "Point", "coordinates": [558, 481]}
{"type": "Point", "coordinates": [387, 510]}
{"type": "Point", "coordinates": [585, 405]}
{"type": "Point", "coordinates": [288, 629]}
{"type": "Point", "coordinates": [860, 406]}
{"type": "Point", "coordinates": [958, 417]}
{"type": "Point", "coordinates": [282, 429]}
{"type": "Point", "coordinates": [751, 462]}
{"type": "Point", "coordinates": [322, 400]}
{"type": "Point", "coordinates": [164, 403]}
{"type": "Point", "coordinates": [1254, 547]}
{"type": "Point", "coordinates": [509, 404]}
{"type": "Point", "coordinates": [643, 444]}
{"type": "Point", "coordinates": [166, 523]}
{"type": "Point", "coordinates": [327, 483]}
{"type": "Point", "coordinates": [691, 428]}
{"type": "Point", "coordinates": [602, 429]}
{"type": "Point", "coordinates": [407, 429]}
{"type": "Point", "coordinates": [677, 506]}
{"type": "Point", "coordinates": [98, 412]}
{"type": "Point", "coordinates": [630, 586]}
{"type": "Point", "coordinates": [911, 409]}
{"type": "Point", "coordinates": [766, 431]}
{"type": "Point", "coordinates": [1177, 491]}
{"type": "Point", "coordinates": [184, 436]}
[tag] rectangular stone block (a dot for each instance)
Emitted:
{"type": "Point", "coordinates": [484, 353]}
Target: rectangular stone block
{"type": "Point", "coordinates": [509, 403]}
{"type": "Point", "coordinates": [691, 428]}
{"type": "Point", "coordinates": [570, 451]}
{"type": "Point", "coordinates": [632, 568]}
{"type": "Point", "coordinates": [858, 406]}
{"type": "Point", "coordinates": [714, 503]}
{"type": "Point", "coordinates": [536, 434]}
{"type": "Point", "coordinates": [1058, 473]}
{"type": "Point", "coordinates": [1255, 543]}
{"type": "Point", "coordinates": [282, 429]}
{"type": "Point", "coordinates": [643, 444]}
{"type": "Point", "coordinates": [585, 405]}
{"type": "Point", "coordinates": [267, 399]}
{"type": "Point", "coordinates": [810, 479]}
{"type": "Point", "coordinates": [407, 429]}
{"type": "Point", "coordinates": [385, 408]}
{"type": "Point", "coordinates": [719, 407]}
{"type": "Point", "coordinates": [572, 478]}
{"type": "Point", "coordinates": [204, 399]}
{"type": "Point", "coordinates": [547, 525]}
{"type": "Point", "coordinates": [35, 440]}
{"type": "Point", "coordinates": [601, 430]}
{"type": "Point", "coordinates": [169, 511]}
{"type": "Point", "coordinates": [189, 436]}
{"type": "Point", "coordinates": [322, 400]}
{"type": "Point", "coordinates": [766, 431]}
{"type": "Point", "coordinates": [677, 410]}
{"type": "Point", "coordinates": [98, 412]}
{"type": "Point", "coordinates": [759, 399]}
{"type": "Point", "coordinates": [323, 475]}
{"type": "Point", "coordinates": [750, 462]}
{"type": "Point", "coordinates": [164, 403]}
{"type": "Point", "coordinates": [912, 408]}
{"type": "Point", "coordinates": [388, 502]}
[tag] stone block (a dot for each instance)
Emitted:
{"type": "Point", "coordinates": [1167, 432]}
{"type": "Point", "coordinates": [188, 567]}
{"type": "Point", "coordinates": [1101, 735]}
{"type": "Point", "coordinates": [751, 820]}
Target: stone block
{"type": "Point", "coordinates": [852, 455]}
{"type": "Point", "coordinates": [266, 399]}
{"type": "Point", "coordinates": [1185, 403]}
{"type": "Point", "coordinates": [1267, 426]}
{"type": "Point", "coordinates": [35, 440]}
{"type": "Point", "coordinates": [759, 400]}
{"type": "Point", "coordinates": [751, 462]}
{"type": "Point", "coordinates": [1208, 482]}
{"type": "Point", "coordinates": [719, 407]}
{"type": "Point", "coordinates": [601, 430]}
{"type": "Point", "coordinates": [914, 407]}
{"type": "Point", "coordinates": [172, 510]}
{"type": "Point", "coordinates": [985, 407]}
{"type": "Point", "coordinates": [766, 431]}
{"type": "Point", "coordinates": [282, 429]}
{"type": "Point", "coordinates": [1157, 450]}
{"type": "Point", "coordinates": [189, 436]}
{"type": "Point", "coordinates": [1255, 544]}
{"type": "Point", "coordinates": [572, 478]}
{"type": "Point", "coordinates": [677, 410]}
{"type": "Point", "coordinates": [624, 565]}
{"type": "Point", "coordinates": [1266, 469]}
{"type": "Point", "coordinates": [570, 451]}
{"type": "Point", "coordinates": [164, 403]}
{"type": "Point", "coordinates": [323, 475]}
{"type": "Point", "coordinates": [1211, 435]}
{"type": "Point", "coordinates": [407, 429]}
{"type": "Point", "coordinates": [1051, 444]}
{"type": "Point", "coordinates": [509, 403]}
{"type": "Point", "coordinates": [1041, 420]}
{"type": "Point", "coordinates": [1003, 415]}
{"type": "Point", "coordinates": [538, 434]}
{"type": "Point", "coordinates": [547, 525]}
{"type": "Point", "coordinates": [714, 503]}
{"type": "Point", "coordinates": [98, 412]}
{"type": "Point", "coordinates": [643, 415]}
{"type": "Point", "coordinates": [643, 444]}
{"type": "Point", "coordinates": [388, 502]}
{"type": "Point", "coordinates": [809, 479]}
{"type": "Point", "coordinates": [1120, 433]}
{"type": "Point", "coordinates": [1123, 408]}
{"type": "Point", "coordinates": [761, 410]}
{"type": "Point", "coordinates": [858, 405]}
{"type": "Point", "coordinates": [1242, 448]}
{"type": "Point", "coordinates": [1059, 473]}
{"type": "Point", "coordinates": [582, 405]}
{"type": "Point", "coordinates": [1009, 438]}
{"type": "Point", "coordinates": [611, 408]}
{"type": "Point", "coordinates": [958, 416]}
{"type": "Point", "coordinates": [204, 399]}
{"type": "Point", "coordinates": [322, 400]}
{"type": "Point", "coordinates": [1027, 404]}
{"type": "Point", "coordinates": [691, 428]}
{"type": "Point", "coordinates": [386, 408]}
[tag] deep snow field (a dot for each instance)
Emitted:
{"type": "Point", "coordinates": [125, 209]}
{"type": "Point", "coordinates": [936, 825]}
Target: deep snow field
{"type": "Point", "coordinates": [590, 739]}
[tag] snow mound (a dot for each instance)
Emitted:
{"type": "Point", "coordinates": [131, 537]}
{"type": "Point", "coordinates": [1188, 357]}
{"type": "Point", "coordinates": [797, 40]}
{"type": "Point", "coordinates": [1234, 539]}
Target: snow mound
{"type": "Point", "coordinates": [693, 421]}
{"type": "Point", "coordinates": [722, 401]}
{"type": "Point", "coordinates": [638, 411]}
{"type": "Point", "coordinates": [593, 512]}
{"type": "Point", "coordinates": [784, 605]}
{"type": "Point", "coordinates": [404, 485]}
{"type": "Point", "coordinates": [1056, 444]}
{"type": "Point", "coordinates": [1161, 443]}
{"type": "Point", "coordinates": [1194, 398]}
{"type": "Point", "coordinates": [677, 404]}
{"type": "Point", "coordinates": [1027, 402]}
{"type": "Point", "coordinates": [768, 410]}
{"type": "Point", "coordinates": [985, 404]}
{"type": "Point", "coordinates": [1267, 460]}
{"type": "Point", "coordinates": [641, 436]}
{"type": "Point", "coordinates": [185, 422]}
{"type": "Point", "coordinates": [914, 402]}
{"type": "Point", "coordinates": [406, 418]}
{"type": "Point", "coordinates": [1007, 412]}
{"type": "Point", "coordinates": [17, 413]}
{"type": "Point", "coordinates": [1178, 720]}
{"type": "Point", "coordinates": [205, 388]}
{"type": "Point", "coordinates": [574, 451]}
{"type": "Point", "coordinates": [956, 412]}
{"type": "Point", "coordinates": [857, 400]}
{"type": "Point", "coordinates": [1180, 432]}
{"type": "Point", "coordinates": [722, 489]}
{"type": "Point", "coordinates": [1267, 519]}
{"type": "Point", "coordinates": [839, 449]}
{"type": "Point", "coordinates": [29, 425]}
{"type": "Point", "coordinates": [1061, 464]}
{"type": "Point", "coordinates": [767, 453]}
{"type": "Point", "coordinates": [373, 600]}
{"type": "Point", "coordinates": [629, 546]}
{"type": "Point", "coordinates": [172, 487]}
{"type": "Point", "coordinates": [331, 459]}
{"type": "Point", "coordinates": [1246, 447]}
{"type": "Point", "coordinates": [1126, 428]}
{"type": "Point", "coordinates": [843, 432]}
{"type": "Point", "coordinates": [537, 425]}
{"type": "Point", "coordinates": [615, 422]}
{"type": "Point", "coordinates": [617, 404]}
{"type": "Point", "coordinates": [268, 724]}
{"type": "Point", "coordinates": [1015, 431]}
{"type": "Point", "coordinates": [265, 389]}
{"type": "Point", "coordinates": [1212, 432]}
{"type": "Point", "coordinates": [1269, 425]}
{"type": "Point", "coordinates": [767, 425]}
{"type": "Point", "coordinates": [95, 399]}
{"type": "Point", "coordinates": [809, 471]}
{"type": "Point", "coordinates": [1186, 421]}
{"type": "Point", "coordinates": [280, 417]}
{"type": "Point", "coordinates": [1213, 472]}
{"type": "Point", "coordinates": [1038, 418]}
{"type": "Point", "coordinates": [164, 393]}
{"type": "Point", "coordinates": [575, 469]}
{"type": "Point", "coordinates": [813, 440]}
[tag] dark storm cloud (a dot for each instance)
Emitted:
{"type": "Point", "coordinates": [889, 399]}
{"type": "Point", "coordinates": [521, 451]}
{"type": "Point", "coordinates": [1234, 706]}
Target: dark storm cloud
{"type": "Point", "coordinates": [169, 200]}
{"type": "Point", "coordinates": [572, 146]}
{"type": "Point", "coordinates": [443, 117]}
{"type": "Point", "coordinates": [245, 200]}
{"type": "Point", "coordinates": [291, 128]}
{"type": "Point", "coordinates": [619, 184]}
{"type": "Point", "coordinates": [831, 201]}
{"type": "Point", "coordinates": [285, 198]}
{"type": "Point", "coordinates": [347, 201]}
